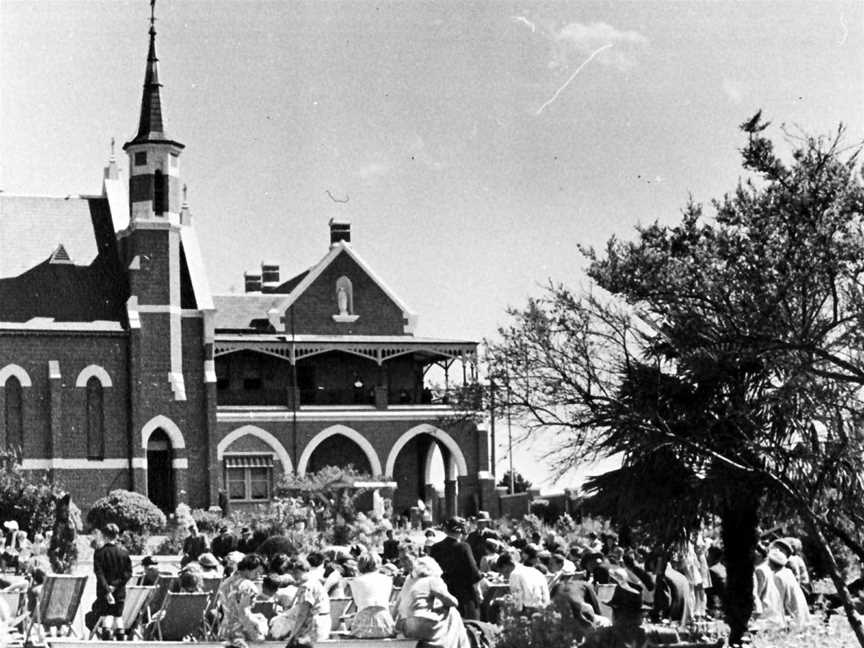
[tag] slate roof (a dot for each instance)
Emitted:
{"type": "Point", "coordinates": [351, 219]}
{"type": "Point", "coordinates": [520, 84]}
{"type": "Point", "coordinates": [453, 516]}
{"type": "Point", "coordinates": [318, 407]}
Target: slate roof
{"type": "Point", "coordinates": [244, 312]}
{"type": "Point", "coordinates": [32, 227]}
{"type": "Point", "coordinates": [89, 289]}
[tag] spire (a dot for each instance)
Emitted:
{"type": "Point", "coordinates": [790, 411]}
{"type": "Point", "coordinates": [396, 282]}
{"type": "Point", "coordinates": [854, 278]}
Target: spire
{"type": "Point", "coordinates": [150, 127]}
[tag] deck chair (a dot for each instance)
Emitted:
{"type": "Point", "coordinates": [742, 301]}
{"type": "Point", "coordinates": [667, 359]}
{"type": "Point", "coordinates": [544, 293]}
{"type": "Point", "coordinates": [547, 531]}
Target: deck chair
{"type": "Point", "coordinates": [133, 607]}
{"type": "Point", "coordinates": [181, 616]}
{"type": "Point", "coordinates": [394, 600]}
{"type": "Point", "coordinates": [17, 602]}
{"type": "Point", "coordinates": [163, 584]}
{"type": "Point", "coordinates": [61, 598]}
{"type": "Point", "coordinates": [341, 612]}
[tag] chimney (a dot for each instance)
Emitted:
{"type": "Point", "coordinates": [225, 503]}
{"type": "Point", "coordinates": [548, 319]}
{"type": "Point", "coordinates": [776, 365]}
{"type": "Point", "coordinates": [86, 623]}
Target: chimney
{"type": "Point", "coordinates": [269, 275]}
{"type": "Point", "coordinates": [252, 281]}
{"type": "Point", "coordinates": [339, 231]}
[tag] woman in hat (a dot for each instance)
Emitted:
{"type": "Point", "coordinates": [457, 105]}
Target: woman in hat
{"type": "Point", "coordinates": [431, 616]}
{"type": "Point", "coordinates": [371, 593]}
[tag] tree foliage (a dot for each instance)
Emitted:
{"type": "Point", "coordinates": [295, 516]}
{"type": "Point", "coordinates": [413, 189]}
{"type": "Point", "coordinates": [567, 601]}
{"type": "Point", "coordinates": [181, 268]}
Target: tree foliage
{"type": "Point", "coordinates": [719, 355]}
{"type": "Point", "coordinates": [520, 484]}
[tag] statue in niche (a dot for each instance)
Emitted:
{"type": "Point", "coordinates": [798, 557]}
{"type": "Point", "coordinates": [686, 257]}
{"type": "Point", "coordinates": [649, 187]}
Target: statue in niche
{"type": "Point", "coordinates": [342, 300]}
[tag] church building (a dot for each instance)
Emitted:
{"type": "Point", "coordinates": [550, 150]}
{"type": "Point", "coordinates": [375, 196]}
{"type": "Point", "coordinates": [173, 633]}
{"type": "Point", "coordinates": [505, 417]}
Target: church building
{"type": "Point", "coordinates": [120, 369]}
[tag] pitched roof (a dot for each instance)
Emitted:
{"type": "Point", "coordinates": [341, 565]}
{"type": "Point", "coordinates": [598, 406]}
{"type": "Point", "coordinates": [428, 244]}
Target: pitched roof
{"type": "Point", "coordinates": [33, 288]}
{"type": "Point", "coordinates": [242, 310]}
{"type": "Point", "coordinates": [32, 227]}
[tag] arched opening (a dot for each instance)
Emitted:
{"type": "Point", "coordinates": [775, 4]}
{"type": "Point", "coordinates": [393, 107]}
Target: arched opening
{"type": "Point", "coordinates": [95, 420]}
{"type": "Point", "coordinates": [14, 414]}
{"type": "Point", "coordinates": [420, 472]}
{"type": "Point", "coordinates": [338, 450]}
{"type": "Point", "coordinates": [160, 470]}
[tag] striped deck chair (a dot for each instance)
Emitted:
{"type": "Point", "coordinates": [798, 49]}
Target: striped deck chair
{"type": "Point", "coordinates": [133, 607]}
{"type": "Point", "coordinates": [181, 617]}
{"type": "Point", "coordinates": [341, 612]}
{"type": "Point", "coordinates": [59, 603]}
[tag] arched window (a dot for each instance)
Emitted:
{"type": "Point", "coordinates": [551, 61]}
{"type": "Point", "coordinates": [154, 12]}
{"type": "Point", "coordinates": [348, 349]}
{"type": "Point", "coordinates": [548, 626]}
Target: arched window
{"type": "Point", "coordinates": [158, 193]}
{"type": "Point", "coordinates": [14, 414]}
{"type": "Point", "coordinates": [95, 420]}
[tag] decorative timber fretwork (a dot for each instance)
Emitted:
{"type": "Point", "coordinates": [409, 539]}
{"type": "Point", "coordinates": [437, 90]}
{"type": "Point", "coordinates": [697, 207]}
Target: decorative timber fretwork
{"type": "Point", "coordinates": [378, 351]}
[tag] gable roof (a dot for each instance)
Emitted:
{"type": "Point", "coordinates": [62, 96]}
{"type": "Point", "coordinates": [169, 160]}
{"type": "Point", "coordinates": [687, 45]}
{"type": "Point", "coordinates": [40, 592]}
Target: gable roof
{"type": "Point", "coordinates": [251, 310]}
{"type": "Point", "coordinates": [341, 247]}
{"type": "Point", "coordinates": [32, 227]}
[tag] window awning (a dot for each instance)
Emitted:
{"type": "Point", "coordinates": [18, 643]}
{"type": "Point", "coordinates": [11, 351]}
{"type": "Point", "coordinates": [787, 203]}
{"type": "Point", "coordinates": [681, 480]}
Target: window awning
{"type": "Point", "coordinates": [248, 461]}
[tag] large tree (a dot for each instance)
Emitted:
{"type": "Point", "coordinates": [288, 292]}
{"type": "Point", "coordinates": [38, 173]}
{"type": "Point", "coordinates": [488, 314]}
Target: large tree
{"type": "Point", "coordinates": [719, 355]}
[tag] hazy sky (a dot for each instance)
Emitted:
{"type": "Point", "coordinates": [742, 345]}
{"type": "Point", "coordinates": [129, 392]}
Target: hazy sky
{"type": "Point", "coordinates": [472, 158]}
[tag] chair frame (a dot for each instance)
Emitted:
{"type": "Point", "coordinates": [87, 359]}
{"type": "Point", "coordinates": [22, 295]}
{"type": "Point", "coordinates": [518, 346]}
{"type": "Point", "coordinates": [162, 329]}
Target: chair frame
{"type": "Point", "coordinates": [134, 607]}
{"type": "Point", "coordinates": [48, 589]}
{"type": "Point", "coordinates": [155, 622]}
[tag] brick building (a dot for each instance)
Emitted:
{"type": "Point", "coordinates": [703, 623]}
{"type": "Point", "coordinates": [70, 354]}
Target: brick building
{"type": "Point", "coordinates": [119, 369]}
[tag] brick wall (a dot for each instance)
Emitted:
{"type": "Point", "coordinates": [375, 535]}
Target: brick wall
{"type": "Point", "coordinates": [378, 315]}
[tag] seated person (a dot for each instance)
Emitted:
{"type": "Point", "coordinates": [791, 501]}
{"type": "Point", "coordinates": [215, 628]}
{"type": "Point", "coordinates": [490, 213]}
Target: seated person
{"type": "Point", "coordinates": [371, 593]}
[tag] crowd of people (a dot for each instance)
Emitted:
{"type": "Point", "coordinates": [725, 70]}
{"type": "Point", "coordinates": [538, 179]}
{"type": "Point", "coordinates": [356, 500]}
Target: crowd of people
{"type": "Point", "coordinates": [442, 586]}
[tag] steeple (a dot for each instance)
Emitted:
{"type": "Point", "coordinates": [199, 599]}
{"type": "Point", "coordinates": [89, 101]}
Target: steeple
{"type": "Point", "coordinates": [150, 125]}
{"type": "Point", "coordinates": [154, 158]}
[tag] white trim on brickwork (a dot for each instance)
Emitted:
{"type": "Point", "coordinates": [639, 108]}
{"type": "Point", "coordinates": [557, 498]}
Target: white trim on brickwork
{"type": "Point", "coordinates": [344, 430]}
{"type": "Point", "coordinates": [15, 370]}
{"type": "Point", "coordinates": [93, 371]}
{"type": "Point", "coordinates": [181, 463]}
{"type": "Point", "coordinates": [237, 414]}
{"type": "Point", "coordinates": [170, 427]}
{"type": "Point", "coordinates": [258, 433]}
{"type": "Point", "coordinates": [440, 435]}
{"type": "Point", "coordinates": [75, 464]}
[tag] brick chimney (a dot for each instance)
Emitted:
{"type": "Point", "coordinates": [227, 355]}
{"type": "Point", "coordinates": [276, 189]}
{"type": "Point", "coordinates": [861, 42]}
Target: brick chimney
{"type": "Point", "coordinates": [339, 231]}
{"type": "Point", "coordinates": [252, 281]}
{"type": "Point", "coordinates": [269, 275]}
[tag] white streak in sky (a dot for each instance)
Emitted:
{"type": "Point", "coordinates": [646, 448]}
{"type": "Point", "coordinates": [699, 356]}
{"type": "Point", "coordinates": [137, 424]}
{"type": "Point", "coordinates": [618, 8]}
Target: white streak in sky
{"type": "Point", "coordinates": [524, 21]}
{"type": "Point", "coordinates": [845, 29]}
{"type": "Point", "coordinates": [573, 76]}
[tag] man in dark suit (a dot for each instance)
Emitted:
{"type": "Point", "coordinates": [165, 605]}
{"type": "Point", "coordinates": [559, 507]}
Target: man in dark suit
{"type": "Point", "coordinates": [113, 569]}
{"type": "Point", "coordinates": [194, 545]}
{"type": "Point", "coordinates": [460, 571]}
{"type": "Point", "coordinates": [224, 543]}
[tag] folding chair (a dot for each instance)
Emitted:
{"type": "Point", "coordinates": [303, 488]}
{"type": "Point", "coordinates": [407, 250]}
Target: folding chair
{"type": "Point", "coordinates": [61, 598]}
{"type": "Point", "coordinates": [17, 603]}
{"type": "Point", "coordinates": [163, 584]}
{"type": "Point", "coordinates": [181, 616]}
{"type": "Point", "coordinates": [394, 600]}
{"type": "Point", "coordinates": [341, 610]}
{"type": "Point", "coordinates": [133, 607]}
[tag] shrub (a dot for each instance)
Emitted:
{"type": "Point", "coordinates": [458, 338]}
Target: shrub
{"type": "Point", "coordinates": [172, 545]}
{"type": "Point", "coordinates": [207, 521]}
{"type": "Point", "coordinates": [129, 511]}
{"type": "Point", "coordinates": [135, 543]}
{"type": "Point", "coordinates": [542, 629]}
{"type": "Point", "coordinates": [30, 501]}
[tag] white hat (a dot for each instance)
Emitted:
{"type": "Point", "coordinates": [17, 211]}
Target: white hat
{"type": "Point", "coordinates": [777, 557]}
{"type": "Point", "coordinates": [12, 525]}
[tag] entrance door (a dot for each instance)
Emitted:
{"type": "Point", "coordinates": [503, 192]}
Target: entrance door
{"type": "Point", "coordinates": [160, 471]}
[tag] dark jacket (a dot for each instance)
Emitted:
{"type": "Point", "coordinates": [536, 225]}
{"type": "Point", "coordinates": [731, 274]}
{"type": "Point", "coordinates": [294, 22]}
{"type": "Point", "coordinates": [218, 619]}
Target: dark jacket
{"type": "Point", "coordinates": [223, 544]}
{"type": "Point", "coordinates": [113, 569]}
{"type": "Point", "coordinates": [460, 570]}
{"type": "Point", "coordinates": [194, 546]}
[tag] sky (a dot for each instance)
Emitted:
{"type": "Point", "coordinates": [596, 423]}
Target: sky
{"type": "Point", "coordinates": [472, 145]}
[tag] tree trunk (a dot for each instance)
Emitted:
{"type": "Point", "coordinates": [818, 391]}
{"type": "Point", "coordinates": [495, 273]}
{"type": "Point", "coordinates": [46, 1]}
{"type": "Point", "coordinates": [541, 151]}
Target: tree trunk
{"type": "Point", "coordinates": [836, 577]}
{"type": "Point", "coordinates": [739, 521]}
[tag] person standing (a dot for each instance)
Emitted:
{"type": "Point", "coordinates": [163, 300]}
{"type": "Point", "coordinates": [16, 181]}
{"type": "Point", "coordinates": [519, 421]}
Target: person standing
{"type": "Point", "coordinates": [460, 572]}
{"type": "Point", "coordinates": [224, 543]}
{"type": "Point", "coordinates": [194, 545]}
{"type": "Point", "coordinates": [113, 569]}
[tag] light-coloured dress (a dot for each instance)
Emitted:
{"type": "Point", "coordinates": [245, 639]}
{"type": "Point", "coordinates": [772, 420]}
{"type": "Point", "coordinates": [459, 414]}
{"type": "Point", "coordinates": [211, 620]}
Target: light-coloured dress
{"type": "Point", "coordinates": [371, 594]}
{"type": "Point", "coordinates": [317, 624]}
{"type": "Point", "coordinates": [236, 596]}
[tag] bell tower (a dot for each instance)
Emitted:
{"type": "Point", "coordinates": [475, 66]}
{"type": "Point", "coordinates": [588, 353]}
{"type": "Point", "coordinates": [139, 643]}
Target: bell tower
{"type": "Point", "coordinates": [154, 158]}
